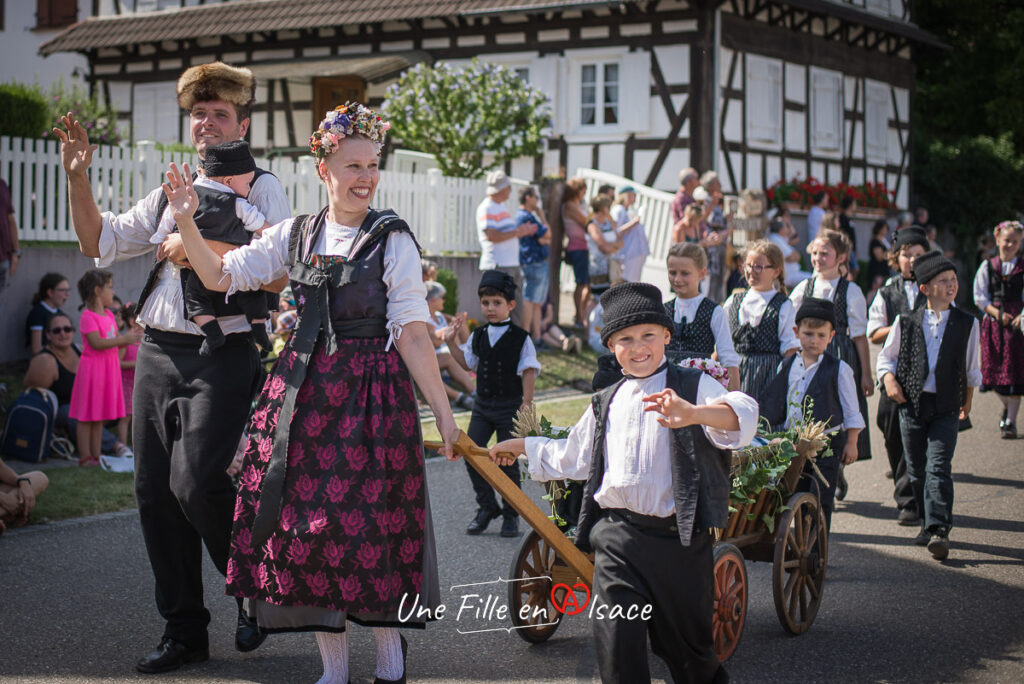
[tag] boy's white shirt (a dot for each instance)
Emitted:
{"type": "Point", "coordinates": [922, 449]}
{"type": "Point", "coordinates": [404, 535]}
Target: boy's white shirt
{"type": "Point", "coordinates": [727, 355]}
{"type": "Point", "coordinates": [934, 330]}
{"type": "Point", "coordinates": [752, 308]}
{"type": "Point", "coordinates": [638, 474]}
{"type": "Point", "coordinates": [251, 217]}
{"type": "Point", "coordinates": [527, 356]}
{"type": "Point", "coordinates": [877, 317]}
{"type": "Point", "coordinates": [800, 378]}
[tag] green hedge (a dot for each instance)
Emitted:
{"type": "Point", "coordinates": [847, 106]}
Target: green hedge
{"type": "Point", "coordinates": [24, 112]}
{"type": "Point", "coordinates": [451, 286]}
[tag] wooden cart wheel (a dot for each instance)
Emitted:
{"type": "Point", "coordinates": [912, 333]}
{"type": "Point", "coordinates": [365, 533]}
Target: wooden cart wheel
{"type": "Point", "coordinates": [530, 585]}
{"type": "Point", "coordinates": [801, 558]}
{"type": "Point", "coordinates": [730, 599]}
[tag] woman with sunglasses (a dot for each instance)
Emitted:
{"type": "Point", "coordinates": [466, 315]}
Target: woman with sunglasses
{"type": "Point", "coordinates": [54, 369]}
{"type": "Point", "coordinates": [51, 295]}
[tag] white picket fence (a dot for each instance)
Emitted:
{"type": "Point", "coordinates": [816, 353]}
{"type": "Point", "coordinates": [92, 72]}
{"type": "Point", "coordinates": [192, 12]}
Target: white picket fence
{"type": "Point", "coordinates": [440, 210]}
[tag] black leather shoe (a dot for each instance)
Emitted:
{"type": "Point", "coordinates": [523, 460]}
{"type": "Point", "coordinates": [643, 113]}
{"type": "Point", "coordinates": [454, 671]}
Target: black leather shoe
{"type": "Point", "coordinates": [170, 655]}
{"type": "Point", "coordinates": [248, 635]}
{"type": "Point", "coordinates": [482, 520]}
{"type": "Point", "coordinates": [510, 527]}
{"type": "Point", "coordinates": [400, 680]}
{"type": "Point", "coordinates": [842, 487]}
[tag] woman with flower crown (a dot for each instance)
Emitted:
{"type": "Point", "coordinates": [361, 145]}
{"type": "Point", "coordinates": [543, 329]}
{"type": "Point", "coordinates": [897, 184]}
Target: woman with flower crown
{"type": "Point", "coordinates": [332, 521]}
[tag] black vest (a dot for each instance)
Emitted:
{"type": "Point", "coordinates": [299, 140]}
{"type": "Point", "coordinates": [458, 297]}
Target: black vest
{"type": "Point", "coordinates": [842, 326]}
{"type": "Point", "coordinates": [217, 219]}
{"type": "Point", "coordinates": [895, 299]}
{"type": "Point", "coordinates": [762, 338]}
{"type": "Point", "coordinates": [694, 339]}
{"type": "Point", "coordinates": [823, 391]}
{"type": "Point", "coordinates": [912, 363]}
{"type": "Point", "coordinates": [1005, 288]}
{"type": "Point", "coordinates": [496, 371]}
{"type": "Point", "coordinates": [700, 471]}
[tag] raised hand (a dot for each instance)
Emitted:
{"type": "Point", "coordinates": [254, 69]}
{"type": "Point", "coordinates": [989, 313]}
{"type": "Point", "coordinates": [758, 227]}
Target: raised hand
{"type": "Point", "coordinates": [675, 411]}
{"type": "Point", "coordinates": [181, 196]}
{"type": "Point", "coordinates": [75, 150]}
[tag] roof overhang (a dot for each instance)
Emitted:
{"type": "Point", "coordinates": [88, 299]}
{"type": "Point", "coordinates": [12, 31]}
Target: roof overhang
{"type": "Point", "coordinates": [373, 68]}
{"type": "Point", "coordinates": [863, 17]}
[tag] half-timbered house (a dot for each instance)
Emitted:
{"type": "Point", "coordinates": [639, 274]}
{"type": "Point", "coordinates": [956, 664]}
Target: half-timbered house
{"type": "Point", "coordinates": [756, 89]}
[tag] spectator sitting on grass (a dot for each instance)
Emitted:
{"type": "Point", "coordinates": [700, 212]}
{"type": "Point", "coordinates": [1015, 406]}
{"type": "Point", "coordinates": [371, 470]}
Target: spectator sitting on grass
{"type": "Point", "coordinates": [445, 363]}
{"type": "Point", "coordinates": [52, 294]}
{"type": "Point", "coordinates": [18, 494]}
{"type": "Point", "coordinates": [553, 335]}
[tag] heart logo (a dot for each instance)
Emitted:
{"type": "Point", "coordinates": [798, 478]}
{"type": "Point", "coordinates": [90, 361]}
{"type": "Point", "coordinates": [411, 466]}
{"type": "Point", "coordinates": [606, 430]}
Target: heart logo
{"type": "Point", "coordinates": [569, 603]}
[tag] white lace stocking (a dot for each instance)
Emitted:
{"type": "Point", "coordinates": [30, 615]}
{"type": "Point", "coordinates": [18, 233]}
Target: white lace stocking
{"type": "Point", "coordinates": [389, 653]}
{"type": "Point", "coordinates": [334, 652]}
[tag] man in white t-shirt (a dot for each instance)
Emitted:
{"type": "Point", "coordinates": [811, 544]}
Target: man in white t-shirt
{"type": "Point", "coordinates": [499, 235]}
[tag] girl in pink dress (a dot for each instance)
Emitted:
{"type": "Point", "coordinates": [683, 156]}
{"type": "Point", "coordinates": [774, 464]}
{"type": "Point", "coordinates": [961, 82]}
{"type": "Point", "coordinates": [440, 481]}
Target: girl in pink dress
{"type": "Point", "coordinates": [97, 396]}
{"type": "Point", "coordinates": [128, 355]}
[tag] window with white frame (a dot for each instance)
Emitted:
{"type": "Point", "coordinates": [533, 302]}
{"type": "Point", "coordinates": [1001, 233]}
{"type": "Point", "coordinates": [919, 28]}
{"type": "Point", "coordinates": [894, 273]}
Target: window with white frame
{"type": "Point", "coordinates": [826, 110]}
{"type": "Point", "coordinates": [876, 120]}
{"type": "Point", "coordinates": [599, 94]}
{"type": "Point", "coordinates": [763, 105]}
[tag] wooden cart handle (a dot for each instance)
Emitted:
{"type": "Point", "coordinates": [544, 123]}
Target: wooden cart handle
{"type": "Point", "coordinates": [480, 459]}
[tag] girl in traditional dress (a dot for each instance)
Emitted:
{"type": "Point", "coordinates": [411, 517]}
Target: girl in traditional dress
{"type": "Point", "coordinates": [332, 522]}
{"type": "Point", "coordinates": [998, 292]}
{"type": "Point", "coordinates": [830, 252]}
{"type": "Point", "coordinates": [761, 318]}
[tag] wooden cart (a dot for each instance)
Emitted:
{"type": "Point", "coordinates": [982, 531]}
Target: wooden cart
{"type": "Point", "coordinates": [797, 549]}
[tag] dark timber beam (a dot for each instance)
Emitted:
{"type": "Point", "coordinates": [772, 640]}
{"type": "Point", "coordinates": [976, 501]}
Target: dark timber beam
{"type": "Point", "coordinates": [701, 102]}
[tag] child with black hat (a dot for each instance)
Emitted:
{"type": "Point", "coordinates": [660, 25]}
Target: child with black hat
{"type": "Point", "coordinates": [651, 495]}
{"type": "Point", "coordinates": [225, 216]}
{"type": "Point", "coordinates": [899, 295]}
{"type": "Point", "coordinates": [506, 363]}
{"type": "Point", "coordinates": [932, 404]}
{"type": "Point", "coordinates": [829, 384]}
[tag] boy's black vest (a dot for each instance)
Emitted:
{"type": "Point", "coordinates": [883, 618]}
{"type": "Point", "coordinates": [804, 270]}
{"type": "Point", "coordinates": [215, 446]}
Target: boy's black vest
{"type": "Point", "coordinates": [895, 299]}
{"type": "Point", "coordinates": [950, 366]}
{"type": "Point", "coordinates": [1005, 288]}
{"type": "Point", "coordinates": [694, 338]}
{"type": "Point", "coordinates": [823, 391]}
{"type": "Point", "coordinates": [496, 371]}
{"type": "Point", "coordinates": [216, 206]}
{"type": "Point", "coordinates": [762, 338]}
{"type": "Point", "coordinates": [700, 471]}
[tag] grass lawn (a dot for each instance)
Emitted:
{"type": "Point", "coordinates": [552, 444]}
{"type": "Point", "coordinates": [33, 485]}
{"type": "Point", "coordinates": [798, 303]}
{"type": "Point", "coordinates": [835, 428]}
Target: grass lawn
{"type": "Point", "coordinates": [77, 492]}
{"type": "Point", "coordinates": [560, 370]}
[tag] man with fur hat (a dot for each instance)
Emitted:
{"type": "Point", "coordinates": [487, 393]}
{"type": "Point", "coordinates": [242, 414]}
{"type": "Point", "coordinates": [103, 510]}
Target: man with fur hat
{"type": "Point", "coordinates": [932, 404]}
{"type": "Point", "coordinates": [190, 410]}
{"type": "Point", "coordinates": [651, 494]}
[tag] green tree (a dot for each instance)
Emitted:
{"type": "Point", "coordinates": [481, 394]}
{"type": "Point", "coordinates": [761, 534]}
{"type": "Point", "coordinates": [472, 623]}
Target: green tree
{"type": "Point", "coordinates": [100, 120]}
{"type": "Point", "coordinates": [23, 111]}
{"type": "Point", "coordinates": [461, 114]}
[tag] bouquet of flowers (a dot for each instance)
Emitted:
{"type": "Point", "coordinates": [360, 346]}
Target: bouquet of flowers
{"type": "Point", "coordinates": [709, 366]}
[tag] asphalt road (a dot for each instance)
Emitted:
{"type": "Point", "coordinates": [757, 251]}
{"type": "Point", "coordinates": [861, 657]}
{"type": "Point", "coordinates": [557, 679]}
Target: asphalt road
{"type": "Point", "coordinates": [76, 598]}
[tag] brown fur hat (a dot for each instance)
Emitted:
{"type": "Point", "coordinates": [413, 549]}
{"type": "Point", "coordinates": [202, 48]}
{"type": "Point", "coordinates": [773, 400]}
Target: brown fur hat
{"type": "Point", "coordinates": [216, 81]}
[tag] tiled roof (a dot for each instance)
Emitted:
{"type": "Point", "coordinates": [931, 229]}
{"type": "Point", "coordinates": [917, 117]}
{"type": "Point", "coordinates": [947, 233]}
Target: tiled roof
{"type": "Point", "coordinates": [245, 16]}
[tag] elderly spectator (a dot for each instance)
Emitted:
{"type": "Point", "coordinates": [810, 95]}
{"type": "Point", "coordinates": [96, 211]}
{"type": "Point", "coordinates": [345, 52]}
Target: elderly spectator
{"type": "Point", "coordinates": [816, 213]}
{"type": "Point", "coordinates": [847, 206]}
{"type": "Point", "coordinates": [689, 179]}
{"type": "Point", "coordinates": [782, 233]}
{"type": "Point", "coordinates": [533, 260]}
{"type": "Point", "coordinates": [51, 296]}
{"type": "Point", "coordinates": [635, 247]}
{"type": "Point", "coordinates": [18, 494]}
{"type": "Point", "coordinates": [603, 241]}
{"type": "Point", "coordinates": [716, 223]}
{"type": "Point", "coordinates": [439, 322]}
{"type": "Point", "coordinates": [906, 219]}
{"type": "Point", "coordinates": [10, 252]}
{"type": "Point", "coordinates": [499, 235]}
{"type": "Point", "coordinates": [574, 221]}
{"type": "Point", "coordinates": [429, 269]}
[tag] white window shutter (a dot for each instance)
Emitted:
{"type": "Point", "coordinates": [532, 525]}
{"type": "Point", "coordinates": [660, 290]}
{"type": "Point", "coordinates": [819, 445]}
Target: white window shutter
{"type": "Point", "coordinates": [635, 89]}
{"type": "Point", "coordinates": [764, 100]}
{"type": "Point", "coordinates": [826, 110]}
{"type": "Point", "coordinates": [546, 75]}
{"type": "Point", "coordinates": [876, 120]}
{"type": "Point", "coordinates": [155, 114]}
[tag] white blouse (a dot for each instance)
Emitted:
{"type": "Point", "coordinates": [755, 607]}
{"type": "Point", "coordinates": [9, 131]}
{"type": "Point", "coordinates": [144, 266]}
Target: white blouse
{"type": "Point", "coordinates": [856, 305]}
{"type": "Point", "coordinates": [752, 308]}
{"type": "Point", "coordinates": [982, 294]}
{"type": "Point", "coordinates": [800, 378]}
{"type": "Point", "coordinates": [638, 474]}
{"type": "Point", "coordinates": [265, 260]}
{"type": "Point", "coordinates": [687, 308]}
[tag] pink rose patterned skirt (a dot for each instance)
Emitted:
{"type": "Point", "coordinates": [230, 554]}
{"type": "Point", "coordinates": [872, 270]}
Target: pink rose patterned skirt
{"type": "Point", "coordinates": [354, 535]}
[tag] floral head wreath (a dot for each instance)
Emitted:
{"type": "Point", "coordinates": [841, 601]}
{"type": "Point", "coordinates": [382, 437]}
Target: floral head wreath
{"type": "Point", "coordinates": [343, 121]}
{"type": "Point", "coordinates": [1015, 226]}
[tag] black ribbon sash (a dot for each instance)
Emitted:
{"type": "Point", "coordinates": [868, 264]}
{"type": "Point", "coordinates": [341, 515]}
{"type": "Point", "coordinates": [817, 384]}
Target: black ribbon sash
{"type": "Point", "coordinates": [313, 322]}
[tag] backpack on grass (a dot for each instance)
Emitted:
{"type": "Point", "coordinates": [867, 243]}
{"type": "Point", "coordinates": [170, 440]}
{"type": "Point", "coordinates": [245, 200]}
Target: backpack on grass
{"type": "Point", "coordinates": [28, 433]}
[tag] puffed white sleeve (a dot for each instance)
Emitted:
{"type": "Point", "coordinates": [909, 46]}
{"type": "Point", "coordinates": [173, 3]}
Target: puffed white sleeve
{"type": "Point", "coordinates": [251, 217]}
{"type": "Point", "coordinates": [877, 317]}
{"type": "Point", "coordinates": [267, 195]}
{"type": "Point", "coordinates": [164, 228]}
{"type": "Point", "coordinates": [848, 388]}
{"type": "Point", "coordinates": [403, 276]}
{"type": "Point", "coordinates": [974, 356]}
{"type": "Point", "coordinates": [981, 285]}
{"type": "Point", "coordinates": [727, 355]}
{"type": "Point", "coordinates": [890, 353]}
{"type": "Point", "coordinates": [528, 358]}
{"type": "Point", "coordinates": [558, 459]}
{"type": "Point", "coordinates": [787, 321]}
{"type": "Point", "coordinates": [709, 392]}
{"type": "Point", "coordinates": [798, 294]}
{"type": "Point", "coordinates": [127, 235]}
{"type": "Point", "coordinates": [260, 262]}
{"type": "Point", "coordinates": [856, 311]}
{"type": "Point", "coordinates": [467, 352]}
